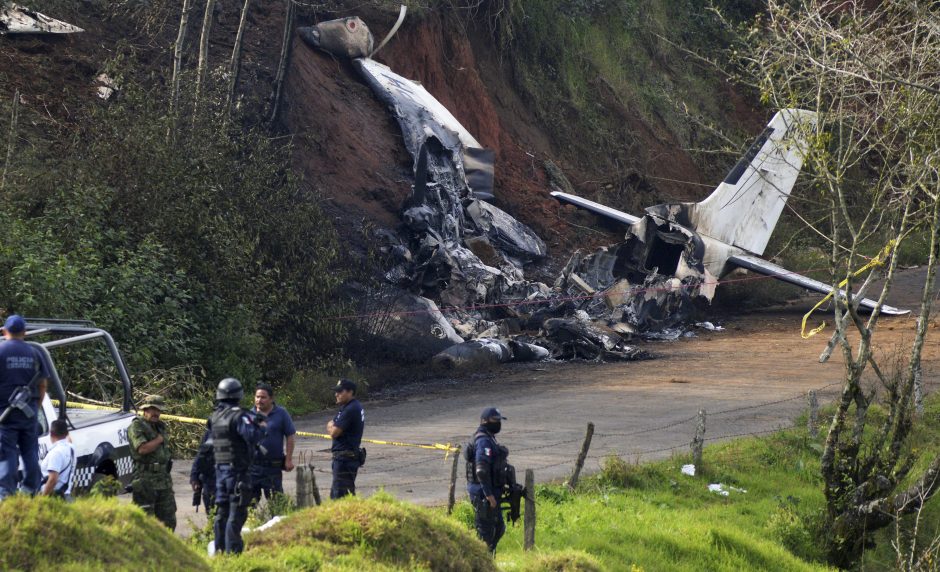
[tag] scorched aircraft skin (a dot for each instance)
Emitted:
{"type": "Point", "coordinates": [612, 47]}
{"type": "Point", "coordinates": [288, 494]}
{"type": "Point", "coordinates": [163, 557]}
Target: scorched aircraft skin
{"type": "Point", "coordinates": [729, 229]}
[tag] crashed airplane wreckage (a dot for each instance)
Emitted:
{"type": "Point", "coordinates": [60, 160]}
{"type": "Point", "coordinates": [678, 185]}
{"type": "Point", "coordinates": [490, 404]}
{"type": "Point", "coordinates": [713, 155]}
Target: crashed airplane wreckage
{"type": "Point", "coordinates": [454, 247]}
{"type": "Point", "coordinates": [683, 249]}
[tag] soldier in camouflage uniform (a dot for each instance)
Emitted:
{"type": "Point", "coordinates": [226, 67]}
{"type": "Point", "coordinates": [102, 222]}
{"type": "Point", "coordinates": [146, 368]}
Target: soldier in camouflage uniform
{"type": "Point", "coordinates": [152, 484]}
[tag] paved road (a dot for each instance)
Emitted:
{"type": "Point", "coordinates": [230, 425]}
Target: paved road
{"type": "Point", "coordinates": [751, 377]}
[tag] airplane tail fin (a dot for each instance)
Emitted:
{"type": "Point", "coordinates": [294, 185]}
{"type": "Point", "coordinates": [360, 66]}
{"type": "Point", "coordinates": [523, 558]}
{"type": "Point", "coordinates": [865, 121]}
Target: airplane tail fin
{"type": "Point", "coordinates": [745, 207]}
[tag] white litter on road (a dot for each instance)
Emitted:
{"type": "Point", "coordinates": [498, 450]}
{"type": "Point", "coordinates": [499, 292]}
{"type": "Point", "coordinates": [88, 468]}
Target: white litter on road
{"type": "Point", "coordinates": [688, 470]}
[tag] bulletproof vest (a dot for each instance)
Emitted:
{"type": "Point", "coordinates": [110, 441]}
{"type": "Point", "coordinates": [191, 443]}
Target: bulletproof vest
{"type": "Point", "coordinates": [228, 445]}
{"type": "Point", "coordinates": [499, 460]}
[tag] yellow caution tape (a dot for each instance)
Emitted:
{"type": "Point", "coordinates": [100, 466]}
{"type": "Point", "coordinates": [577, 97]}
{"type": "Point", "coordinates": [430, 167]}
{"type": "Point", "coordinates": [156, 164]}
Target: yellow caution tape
{"type": "Point", "coordinates": [434, 446]}
{"type": "Point", "coordinates": [164, 416]}
{"type": "Point", "coordinates": [448, 448]}
{"type": "Point", "coordinates": [876, 261]}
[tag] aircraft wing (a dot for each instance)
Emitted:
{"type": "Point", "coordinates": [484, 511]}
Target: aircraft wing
{"type": "Point", "coordinates": [761, 266]}
{"type": "Point", "coordinates": [596, 208]}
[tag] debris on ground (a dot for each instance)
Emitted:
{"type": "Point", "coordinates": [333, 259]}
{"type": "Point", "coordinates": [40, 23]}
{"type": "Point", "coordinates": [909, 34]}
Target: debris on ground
{"type": "Point", "coordinates": [724, 490]}
{"type": "Point", "coordinates": [469, 256]}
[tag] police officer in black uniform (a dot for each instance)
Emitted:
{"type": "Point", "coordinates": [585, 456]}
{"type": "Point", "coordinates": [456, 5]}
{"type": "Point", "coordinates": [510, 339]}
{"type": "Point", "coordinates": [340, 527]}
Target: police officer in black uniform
{"type": "Point", "coordinates": [202, 474]}
{"type": "Point", "coordinates": [234, 432]}
{"type": "Point", "coordinates": [486, 465]}
{"type": "Point", "coordinates": [346, 430]}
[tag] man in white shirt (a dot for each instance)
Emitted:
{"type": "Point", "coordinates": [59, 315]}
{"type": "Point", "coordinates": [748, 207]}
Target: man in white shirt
{"type": "Point", "coordinates": [59, 463]}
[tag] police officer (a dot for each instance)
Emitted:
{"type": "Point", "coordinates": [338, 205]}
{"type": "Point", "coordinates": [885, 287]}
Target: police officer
{"type": "Point", "coordinates": [202, 474]}
{"type": "Point", "coordinates": [21, 369]}
{"type": "Point", "coordinates": [276, 452]}
{"type": "Point", "coordinates": [152, 485]}
{"type": "Point", "coordinates": [485, 477]}
{"type": "Point", "coordinates": [235, 433]}
{"type": "Point", "coordinates": [346, 431]}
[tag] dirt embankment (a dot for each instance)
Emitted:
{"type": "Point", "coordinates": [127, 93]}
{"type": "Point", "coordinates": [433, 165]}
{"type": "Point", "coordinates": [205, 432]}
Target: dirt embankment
{"type": "Point", "coordinates": [348, 146]}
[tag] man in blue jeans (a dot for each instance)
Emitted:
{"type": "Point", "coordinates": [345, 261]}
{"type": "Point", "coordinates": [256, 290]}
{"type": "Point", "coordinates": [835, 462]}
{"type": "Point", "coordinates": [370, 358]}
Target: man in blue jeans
{"type": "Point", "coordinates": [346, 430]}
{"type": "Point", "coordinates": [275, 452]}
{"type": "Point", "coordinates": [21, 369]}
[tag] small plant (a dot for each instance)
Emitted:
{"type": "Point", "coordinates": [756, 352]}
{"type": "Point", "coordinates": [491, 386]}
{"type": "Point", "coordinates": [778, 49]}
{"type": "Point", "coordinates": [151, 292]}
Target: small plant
{"type": "Point", "coordinates": [619, 473]}
{"type": "Point", "coordinates": [279, 504]}
{"type": "Point", "coordinates": [202, 535]}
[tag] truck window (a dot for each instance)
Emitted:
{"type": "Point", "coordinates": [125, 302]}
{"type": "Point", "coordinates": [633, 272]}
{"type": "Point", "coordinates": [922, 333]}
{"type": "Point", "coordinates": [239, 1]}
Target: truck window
{"type": "Point", "coordinates": [90, 379]}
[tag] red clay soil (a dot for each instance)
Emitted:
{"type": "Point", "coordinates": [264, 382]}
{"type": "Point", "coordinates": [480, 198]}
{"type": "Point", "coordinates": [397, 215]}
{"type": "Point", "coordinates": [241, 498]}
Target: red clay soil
{"type": "Point", "coordinates": [350, 148]}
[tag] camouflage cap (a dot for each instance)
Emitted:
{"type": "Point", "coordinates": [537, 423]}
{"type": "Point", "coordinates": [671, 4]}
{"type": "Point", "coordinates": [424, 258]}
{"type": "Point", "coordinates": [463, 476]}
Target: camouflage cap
{"type": "Point", "coordinates": [153, 401]}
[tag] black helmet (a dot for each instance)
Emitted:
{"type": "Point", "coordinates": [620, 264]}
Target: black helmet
{"type": "Point", "coordinates": [229, 389]}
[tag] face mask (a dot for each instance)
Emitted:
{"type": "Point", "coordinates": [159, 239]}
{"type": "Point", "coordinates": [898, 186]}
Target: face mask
{"type": "Point", "coordinates": [493, 426]}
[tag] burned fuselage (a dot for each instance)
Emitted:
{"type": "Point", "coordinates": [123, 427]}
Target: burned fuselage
{"type": "Point", "coordinates": [654, 280]}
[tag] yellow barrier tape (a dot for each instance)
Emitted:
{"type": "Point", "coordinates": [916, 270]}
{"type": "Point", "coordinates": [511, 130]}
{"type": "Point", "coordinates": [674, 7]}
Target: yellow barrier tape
{"type": "Point", "coordinates": [448, 448]}
{"type": "Point", "coordinates": [164, 416]}
{"type": "Point", "coordinates": [876, 261]}
{"type": "Point", "coordinates": [434, 446]}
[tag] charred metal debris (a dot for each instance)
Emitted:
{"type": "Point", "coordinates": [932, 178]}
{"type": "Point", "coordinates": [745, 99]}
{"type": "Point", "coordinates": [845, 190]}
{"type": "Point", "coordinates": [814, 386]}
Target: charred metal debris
{"type": "Point", "coordinates": [458, 293]}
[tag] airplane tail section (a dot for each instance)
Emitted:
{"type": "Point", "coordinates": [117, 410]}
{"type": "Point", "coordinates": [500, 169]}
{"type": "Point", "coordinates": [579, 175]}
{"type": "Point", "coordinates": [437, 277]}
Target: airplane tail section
{"type": "Point", "coordinates": [745, 207]}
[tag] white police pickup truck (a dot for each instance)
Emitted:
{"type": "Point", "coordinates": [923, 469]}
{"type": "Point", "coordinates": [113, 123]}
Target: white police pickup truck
{"type": "Point", "coordinates": [99, 435]}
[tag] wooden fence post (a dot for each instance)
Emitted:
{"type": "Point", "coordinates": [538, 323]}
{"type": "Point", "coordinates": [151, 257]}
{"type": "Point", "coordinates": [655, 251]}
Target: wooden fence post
{"type": "Point", "coordinates": [812, 421]}
{"type": "Point", "coordinates": [699, 440]}
{"type": "Point", "coordinates": [528, 517]}
{"type": "Point", "coordinates": [573, 481]}
{"type": "Point", "coordinates": [307, 492]}
{"type": "Point", "coordinates": [452, 493]}
{"type": "Point", "coordinates": [303, 498]}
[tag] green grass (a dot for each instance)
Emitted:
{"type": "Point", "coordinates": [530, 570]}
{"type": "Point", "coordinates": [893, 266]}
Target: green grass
{"type": "Point", "coordinates": [651, 517]}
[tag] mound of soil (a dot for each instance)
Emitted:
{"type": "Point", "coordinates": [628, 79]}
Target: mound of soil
{"type": "Point", "coordinates": [90, 534]}
{"type": "Point", "coordinates": [377, 530]}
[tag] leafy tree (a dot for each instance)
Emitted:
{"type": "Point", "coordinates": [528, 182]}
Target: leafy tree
{"type": "Point", "coordinates": [871, 75]}
{"type": "Point", "coordinates": [197, 247]}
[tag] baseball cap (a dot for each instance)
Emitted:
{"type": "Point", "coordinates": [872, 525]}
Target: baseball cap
{"type": "Point", "coordinates": [491, 412]}
{"type": "Point", "coordinates": [15, 324]}
{"type": "Point", "coordinates": [344, 384]}
{"type": "Point", "coordinates": [154, 401]}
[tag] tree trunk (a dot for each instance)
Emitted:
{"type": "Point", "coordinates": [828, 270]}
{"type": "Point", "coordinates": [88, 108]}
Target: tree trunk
{"type": "Point", "coordinates": [203, 63]}
{"type": "Point", "coordinates": [236, 63]}
{"type": "Point", "coordinates": [285, 52]}
{"type": "Point", "coordinates": [178, 57]}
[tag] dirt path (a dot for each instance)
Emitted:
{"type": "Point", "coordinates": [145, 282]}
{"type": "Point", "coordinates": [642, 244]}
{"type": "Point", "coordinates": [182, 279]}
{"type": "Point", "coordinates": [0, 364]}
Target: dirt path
{"type": "Point", "coordinates": [751, 377]}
